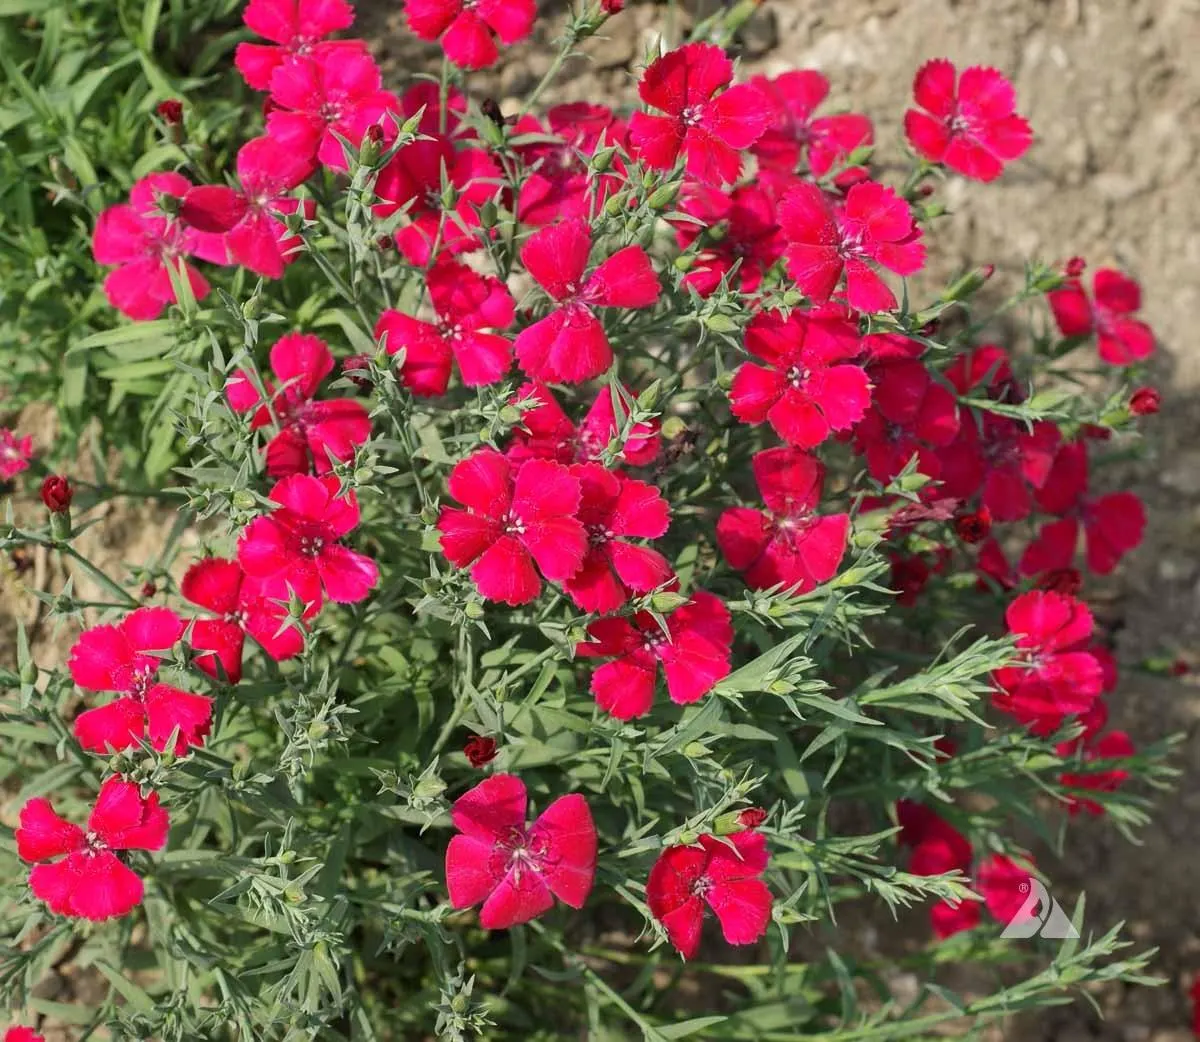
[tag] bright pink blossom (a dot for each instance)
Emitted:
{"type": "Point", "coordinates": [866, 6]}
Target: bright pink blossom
{"type": "Point", "coordinates": [694, 653]}
{"type": "Point", "coordinates": [707, 121]}
{"type": "Point", "coordinates": [789, 544]}
{"type": "Point", "coordinates": [239, 608]}
{"type": "Point", "coordinates": [249, 217]}
{"type": "Point", "coordinates": [297, 29]}
{"type": "Point", "coordinates": [546, 432]}
{"type": "Point", "coordinates": [145, 245]}
{"type": "Point", "coordinates": [90, 881]}
{"type": "Point", "coordinates": [312, 435]}
{"type": "Point", "coordinates": [808, 386]}
{"type": "Point", "coordinates": [19, 1034]}
{"type": "Point", "coordinates": [1112, 524]}
{"type": "Point", "coordinates": [748, 236]}
{"type": "Point", "coordinates": [412, 181]}
{"type": "Point", "coordinates": [1058, 676]}
{"type": "Point", "coordinates": [15, 453]}
{"type": "Point", "coordinates": [795, 133]}
{"type": "Point", "coordinates": [874, 227]}
{"type": "Point", "coordinates": [469, 29]}
{"type": "Point", "coordinates": [469, 307]}
{"type": "Point", "coordinates": [514, 869]}
{"type": "Point", "coordinates": [723, 874]}
{"type": "Point", "coordinates": [971, 126]}
{"type": "Point", "coordinates": [569, 345]}
{"type": "Point", "coordinates": [119, 658]}
{"type": "Point", "coordinates": [327, 96]}
{"type": "Point", "coordinates": [1109, 314]}
{"type": "Point", "coordinates": [517, 517]}
{"type": "Point", "coordinates": [612, 507]}
{"type": "Point", "coordinates": [296, 549]}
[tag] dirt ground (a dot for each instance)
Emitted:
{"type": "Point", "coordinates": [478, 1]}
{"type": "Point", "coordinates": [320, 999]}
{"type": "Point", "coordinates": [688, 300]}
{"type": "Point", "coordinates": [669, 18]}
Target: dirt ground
{"type": "Point", "coordinates": [1112, 88]}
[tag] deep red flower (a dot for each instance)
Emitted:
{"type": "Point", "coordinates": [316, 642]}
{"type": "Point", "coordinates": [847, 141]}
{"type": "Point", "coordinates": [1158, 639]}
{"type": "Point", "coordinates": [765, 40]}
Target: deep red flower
{"type": "Point", "coordinates": [469, 29]}
{"type": "Point", "coordinates": [1145, 401]}
{"type": "Point", "coordinates": [789, 544]}
{"type": "Point", "coordinates": [694, 653]}
{"type": "Point", "coordinates": [326, 96]}
{"type": "Point", "coordinates": [468, 308]}
{"type": "Point", "coordinates": [614, 506]}
{"type": "Point", "coordinates": [170, 111]}
{"type": "Point", "coordinates": [57, 494]}
{"type": "Point", "coordinates": [1058, 676]}
{"type": "Point", "coordinates": [516, 517]}
{"type": "Point", "coordinates": [480, 750]}
{"type": "Point", "coordinates": [795, 133]}
{"type": "Point", "coordinates": [911, 414]}
{"type": "Point", "coordinates": [249, 217]}
{"type": "Point", "coordinates": [144, 245]}
{"type": "Point", "coordinates": [739, 229]}
{"type": "Point", "coordinates": [296, 548]}
{"type": "Point", "coordinates": [1004, 886]}
{"type": "Point", "coordinates": [91, 881]}
{"type": "Point", "coordinates": [312, 435]}
{"type": "Point", "coordinates": [1115, 745]}
{"type": "Point", "coordinates": [569, 345]}
{"type": "Point", "coordinates": [297, 29]}
{"type": "Point", "coordinates": [707, 120]}
{"type": "Point", "coordinates": [937, 846]}
{"type": "Point", "coordinates": [974, 526]}
{"type": "Point", "coordinates": [971, 125]}
{"type": "Point", "coordinates": [807, 389]}
{"type": "Point", "coordinates": [1002, 459]}
{"type": "Point", "coordinates": [909, 576]}
{"type": "Point", "coordinates": [1108, 314]}
{"type": "Point", "coordinates": [985, 369]}
{"type": "Point", "coordinates": [436, 221]}
{"type": "Point", "coordinates": [117, 658]}
{"type": "Point", "coordinates": [1074, 267]}
{"type": "Point", "coordinates": [751, 817]}
{"type": "Point", "coordinates": [237, 602]}
{"type": "Point", "coordinates": [874, 227]}
{"type": "Point", "coordinates": [722, 873]}
{"type": "Point", "coordinates": [517, 870]}
{"type": "Point", "coordinates": [546, 432]}
{"type": "Point", "coordinates": [1112, 524]}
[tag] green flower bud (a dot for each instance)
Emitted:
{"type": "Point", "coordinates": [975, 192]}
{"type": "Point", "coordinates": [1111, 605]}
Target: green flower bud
{"type": "Point", "coordinates": [663, 196]}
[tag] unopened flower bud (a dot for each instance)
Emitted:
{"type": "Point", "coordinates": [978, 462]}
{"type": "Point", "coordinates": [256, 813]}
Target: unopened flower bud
{"type": "Point", "coordinates": [615, 205]}
{"type": "Point", "coordinates": [1075, 267]}
{"type": "Point", "coordinates": [148, 590]}
{"type": "Point", "coordinates": [974, 527]}
{"type": "Point", "coordinates": [491, 111]}
{"type": "Point", "coordinates": [602, 159]}
{"type": "Point", "coordinates": [667, 600]}
{"type": "Point", "coordinates": [489, 214]}
{"type": "Point", "coordinates": [1145, 401]}
{"type": "Point", "coordinates": [969, 284]}
{"type": "Point", "coordinates": [57, 494]}
{"type": "Point", "coordinates": [480, 750]}
{"type": "Point", "coordinates": [170, 111]}
{"type": "Point", "coordinates": [663, 196]}
{"type": "Point", "coordinates": [243, 500]}
{"type": "Point", "coordinates": [473, 610]}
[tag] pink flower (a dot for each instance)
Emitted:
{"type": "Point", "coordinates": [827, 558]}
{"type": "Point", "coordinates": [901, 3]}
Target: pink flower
{"type": "Point", "coordinates": [613, 506]}
{"type": "Point", "coordinates": [1113, 524]}
{"type": "Point", "coordinates": [807, 389]}
{"type": "Point", "coordinates": [723, 874]}
{"type": "Point", "coordinates": [516, 518]}
{"type": "Point", "coordinates": [324, 97]}
{"type": "Point", "coordinates": [874, 227]}
{"type": "Point", "coordinates": [694, 653]}
{"type": "Point", "coordinates": [1058, 675]}
{"type": "Point", "coordinates": [749, 236]}
{"type": "Point", "coordinates": [569, 345]}
{"type": "Point", "coordinates": [1121, 338]}
{"type": "Point", "coordinates": [117, 658]}
{"type": "Point", "coordinates": [296, 547]}
{"type": "Point", "coordinates": [972, 128]}
{"type": "Point", "coordinates": [413, 180]}
{"type": "Point", "coordinates": [224, 589]}
{"type": "Point", "coordinates": [517, 870]}
{"type": "Point", "coordinates": [298, 27]}
{"type": "Point", "coordinates": [91, 881]}
{"type": "Point", "coordinates": [469, 29]}
{"type": "Point", "coordinates": [794, 133]}
{"type": "Point", "coordinates": [546, 432]}
{"type": "Point", "coordinates": [706, 120]}
{"type": "Point", "coordinates": [467, 304]}
{"type": "Point", "coordinates": [311, 435]}
{"type": "Point", "coordinates": [249, 217]}
{"type": "Point", "coordinates": [789, 544]}
{"type": "Point", "coordinates": [15, 453]}
{"type": "Point", "coordinates": [19, 1034]}
{"type": "Point", "coordinates": [145, 245]}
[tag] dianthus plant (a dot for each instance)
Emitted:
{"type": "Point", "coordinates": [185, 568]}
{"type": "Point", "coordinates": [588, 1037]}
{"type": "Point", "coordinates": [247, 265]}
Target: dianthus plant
{"type": "Point", "coordinates": [611, 550]}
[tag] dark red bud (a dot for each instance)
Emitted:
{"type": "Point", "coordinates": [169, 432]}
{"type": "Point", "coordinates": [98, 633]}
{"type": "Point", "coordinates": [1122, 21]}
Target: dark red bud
{"type": "Point", "coordinates": [385, 242]}
{"type": "Point", "coordinates": [57, 493]}
{"type": "Point", "coordinates": [170, 111]}
{"type": "Point", "coordinates": [1179, 668]}
{"type": "Point", "coordinates": [925, 191]}
{"type": "Point", "coordinates": [375, 133]}
{"type": "Point", "coordinates": [480, 750]}
{"type": "Point", "coordinates": [1145, 401]}
{"type": "Point", "coordinates": [752, 817]}
{"type": "Point", "coordinates": [987, 271]}
{"type": "Point", "coordinates": [974, 527]}
{"type": "Point", "coordinates": [947, 748]}
{"type": "Point", "coordinates": [1075, 267]}
{"type": "Point", "coordinates": [612, 6]}
{"type": "Point", "coordinates": [354, 365]}
{"type": "Point", "coordinates": [491, 109]}
{"type": "Point", "coordinates": [148, 590]}
{"type": "Point", "coordinates": [1095, 432]}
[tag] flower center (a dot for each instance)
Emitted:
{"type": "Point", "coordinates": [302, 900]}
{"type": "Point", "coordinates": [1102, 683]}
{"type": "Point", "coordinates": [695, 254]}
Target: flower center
{"type": "Point", "coordinates": [654, 641]}
{"type": "Point", "coordinates": [140, 681]}
{"type": "Point", "coordinates": [692, 115]}
{"type": "Point", "coordinates": [95, 844]}
{"type": "Point", "coordinates": [513, 524]}
{"type": "Point", "coordinates": [701, 886]}
{"type": "Point", "coordinates": [311, 545]}
{"type": "Point", "coordinates": [599, 534]}
{"type": "Point", "coordinates": [796, 375]}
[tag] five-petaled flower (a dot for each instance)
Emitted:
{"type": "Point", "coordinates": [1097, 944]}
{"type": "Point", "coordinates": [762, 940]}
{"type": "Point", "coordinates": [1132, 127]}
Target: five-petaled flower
{"type": "Point", "coordinates": [724, 874]}
{"type": "Point", "coordinates": [569, 345]}
{"type": "Point", "coordinates": [546, 432]}
{"type": "Point", "coordinates": [796, 133]}
{"type": "Point", "coordinates": [1109, 314]}
{"type": "Point", "coordinates": [89, 880]}
{"type": "Point", "coordinates": [515, 869]}
{"type": "Point", "coordinates": [296, 29]}
{"type": "Point", "coordinates": [469, 29]}
{"type": "Point", "coordinates": [120, 658]}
